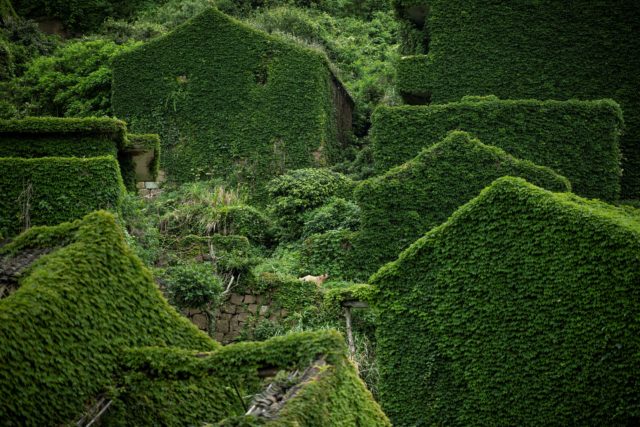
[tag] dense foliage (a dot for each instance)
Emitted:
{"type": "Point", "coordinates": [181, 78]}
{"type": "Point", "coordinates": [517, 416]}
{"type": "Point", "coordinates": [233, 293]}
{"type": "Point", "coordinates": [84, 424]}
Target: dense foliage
{"type": "Point", "coordinates": [402, 205]}
{"type": "Point", "coordinates": [75, 81]}
{"type": "Point", "coordinates": [191, 235]}
{"type": "Point", "coordinates": [21, 41]}
{"type": "Point", "coordinates": [482, 321]}
{"type": "Point", "coordinates": [293, 195]}
{"type": "Point", "coordinates": [521, 309]}
{"type": "Point", "coordinates": [543, 49]}
{"type": "Point", "coordinates": [336, 214]}
{"type": "Point", "coordinates": [275, 115]}
{"type": "Point", "coordinates": [75, 311]}
{"type": "Point", "coordinates": [559, 134]}
{"type": "Point", "coordinates": [78, 15]}
{"type": "Point", "coordinates": [212, 208]}
{"type": "Point", "coordinates": [363, 51]}
{"type": "Point", "coordinates": [192, 285]}
{"type": "Point", "coordinates": [363, 9]}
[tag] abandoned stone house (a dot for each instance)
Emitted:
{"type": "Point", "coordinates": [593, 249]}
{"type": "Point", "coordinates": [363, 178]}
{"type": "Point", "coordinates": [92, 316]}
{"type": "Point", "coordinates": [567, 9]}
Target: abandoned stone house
{"type": "Point", "coordinates": [233, 102]}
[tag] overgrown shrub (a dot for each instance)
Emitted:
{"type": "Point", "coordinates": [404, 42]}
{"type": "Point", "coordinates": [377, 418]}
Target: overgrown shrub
{"type": "Point", "coordinates": [521, 309]}
{"type": "Point", "coordinates": [299, 191]}
{"type": "Point", "coordinates": [293, 21]}
{"type": "Point", "coordinates": [78, 16]}
{"type": "Point", "coordinates": [284, 260]}
{"type": "Point", "coordinates": [21, 40]}
{"type": "Point", "coordinates": [75, 81]}
{"type": "Point", "coordinates": [231, 258]}
{"type": "Point", "coordinates": [206, 208]}
{"type": "Point", "coordinates": [172, 13]}
{"type": "Point", "coordinates": [202, 220]}
{"type": "Point", "coordinates": [363, 9]}
{"type": "Point", "coordinates": [215, 193]}
{"type": "Point", "coordinates": [337, 214]}
{"type": "Point", "coordinates": [192, 285]}
{"type": "Point", "coordinates": [245, 221]}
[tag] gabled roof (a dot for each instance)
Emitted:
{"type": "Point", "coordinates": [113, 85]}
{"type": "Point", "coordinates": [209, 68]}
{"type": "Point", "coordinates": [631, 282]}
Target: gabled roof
{"type": "Point", "coordinates": [512, 191]}
{"type": "Point", "coordinates": [521, 308]}
{"type": "Point", "coordinates": [213, 17]}
{"type": "Point", "coordinates": [76, 309]}
{"type": "Point", "coordinates": [401, 205]}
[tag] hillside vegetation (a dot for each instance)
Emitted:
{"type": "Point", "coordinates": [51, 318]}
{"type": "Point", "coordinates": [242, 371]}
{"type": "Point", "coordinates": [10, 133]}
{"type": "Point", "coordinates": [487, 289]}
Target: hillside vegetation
{"type": "Point", "coordinates": [319, 212]}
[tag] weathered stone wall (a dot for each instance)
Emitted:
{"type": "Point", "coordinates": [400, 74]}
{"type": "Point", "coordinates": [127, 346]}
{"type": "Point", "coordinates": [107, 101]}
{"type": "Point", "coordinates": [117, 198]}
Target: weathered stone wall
{"type": "Point", "coordinates": [234, 315]}
{"type": "Point", "coordinates": [150, 189]}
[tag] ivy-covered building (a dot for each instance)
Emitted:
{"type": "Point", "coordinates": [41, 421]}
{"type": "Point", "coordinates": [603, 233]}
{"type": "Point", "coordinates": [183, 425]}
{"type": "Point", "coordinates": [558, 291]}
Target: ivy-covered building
{"type": "Point", "coordinates": [401, 205]}
{"type": "Point", "coordinates": [521, 309]}
{"type": "Point", "coordinates": [233, 102]}
{"type": "Point", "coordinates": [84, 328]}
{"type": "Point", "coordinates": [58, 169]}
{"type": "Point", "coordinates": [578, 139]}
{"type": "Point", "coordinates": [529, 49]}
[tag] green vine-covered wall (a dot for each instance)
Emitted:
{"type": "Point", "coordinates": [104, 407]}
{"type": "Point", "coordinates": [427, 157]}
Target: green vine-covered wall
{"type": "Point", "coordinates": [402, 205]}
{"type": "Point", "coordinates": [229, 102]}
{"type": "Point", "coordinates": [332, 253]}
{"type": "Point", "coordinates": [529, 49]}
{"type": "Point", "coordinates": [577, 139]}
{"type": "Point", "coordinates": [521, 309]}
{"type": "Point", "coordinates": [51, 190]}
{"type": "Point", "coordinates": [75, 311]}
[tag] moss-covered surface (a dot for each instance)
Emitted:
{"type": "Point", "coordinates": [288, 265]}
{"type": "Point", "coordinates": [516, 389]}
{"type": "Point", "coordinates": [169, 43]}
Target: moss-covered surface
{"type": "Point", "coordinates": [180, 387]}
{"type": "Point", "coordinates": [536, 49]}
{"type": "Point", "coordinates": [38, 137]}
{"type": "Point", "coordinates": [406, 202]}
{"type": "Point", "coordinates": [61, 137]}
{"type": "Point", "coordinates": [51, 190]}
{"type": "Point", "coordinates": [75, 311]}
{"type": "Point", "coordinates": [521, 309]}
{"type": "Point", "coordinates": [331, 252]}
{"type": "Point", "coordinates": [334, 298]}
{"type": "Point", "coordinates": [287, 292]}
{"type": "Point", "coordinates": [578, 139]}
{"type": "Point", "coordinates": [294, 195]}
{"type": "Point", "coordinates": [229, 101]}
